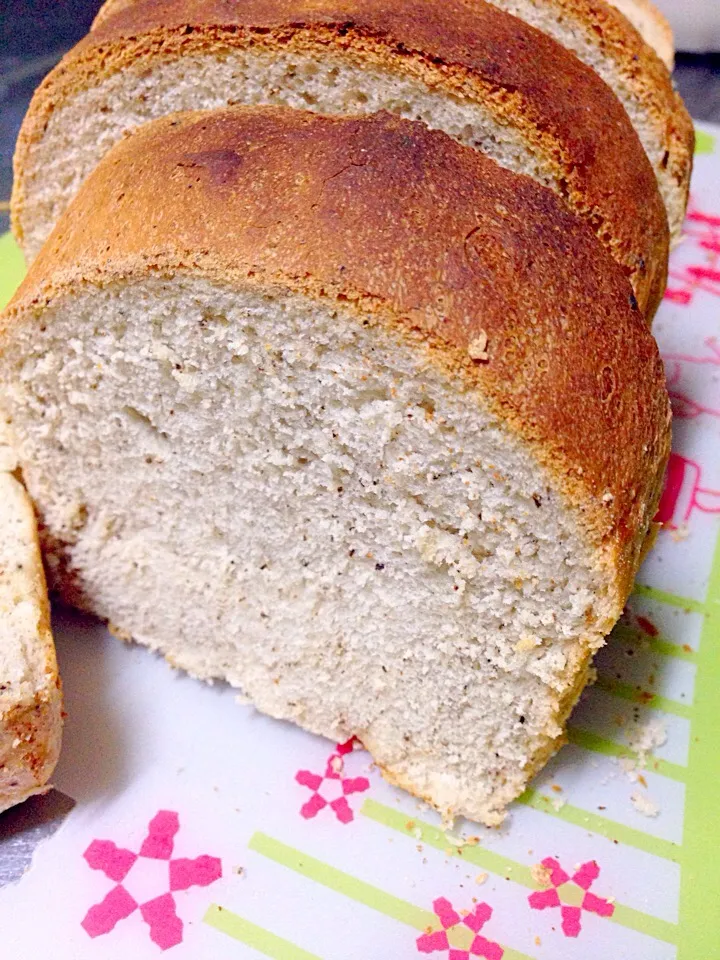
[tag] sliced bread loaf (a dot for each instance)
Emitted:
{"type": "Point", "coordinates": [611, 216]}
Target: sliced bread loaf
{"type": "Point", "coordinates": [477, 73]}
{"type": "Point", "coordinates": [30, 695]}
{"type": "Point", "coordinates": [350, 416]}
{"type": "Point", "coordinates": [599, 35]}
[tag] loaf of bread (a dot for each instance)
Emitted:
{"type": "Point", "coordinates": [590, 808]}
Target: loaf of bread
{"type": "Point", "coordinates": [355, 419]}
{"type": "Point", "coordinates": [470, 69]}
{"type": "Point", "coordinates": [30, 695]}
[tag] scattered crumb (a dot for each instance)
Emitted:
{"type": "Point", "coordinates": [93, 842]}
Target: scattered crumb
{"type": "Point", "coordinates": [644, 805]}
{"type": "Point", "coordinates": [419, 848]}
{"type": "Point", "coordinates": [481, 878]}
{"type": "Point", "coordinates": [410, 825]}
{"type": "Point", "coordinates": [557, 803]}
{"type": "Point", "coordinates": [687, 648]}
{"type": "Point", "coordinates": [477, 348]}
{"type": "Point", "coordinates": [556, 787]}
{"type": "Point", "coordinates": [538, 941]}
{"type": "Point", "coordinates": [337, 764]}
{"type": "Point", "coordinates": [472, 841]}
{"type": "Point", "coordinates": [239, 871]}
{"type": "Point", "coordinates": [642, 780]}
{"type": "Point", "coordinates": [680, 533]}
{"type": "Point", "coordinates": [541, 875]}
{"type": "Point", "coordinates": [417, 833]}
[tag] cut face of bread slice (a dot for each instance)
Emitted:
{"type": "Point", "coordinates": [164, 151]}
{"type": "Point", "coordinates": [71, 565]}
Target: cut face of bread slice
{"type": "Point", "coordinates": [30, 696]}
{"type": "Point", "coordinates": [480, 75]}
{"type": "Point", "coordinates": [348, 409]}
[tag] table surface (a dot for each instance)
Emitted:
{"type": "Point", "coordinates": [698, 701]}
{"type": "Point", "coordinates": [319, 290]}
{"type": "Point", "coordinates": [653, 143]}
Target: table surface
{"type": "Point", "coordinates": [34, 34]}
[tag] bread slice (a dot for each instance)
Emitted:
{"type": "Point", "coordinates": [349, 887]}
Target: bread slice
{"type": "Point", "coordinates": [650, 23]}
{"type": "Point", "coordinates": [643, 15]}
{"type": "Point", "coordinates": [598, 33]}
{"type": "Point", "coordinates": [350, 416]}
{"type": "Point", "coordinates": [475, 72]}
{"type": "Point", "coordinates": [30, 695]}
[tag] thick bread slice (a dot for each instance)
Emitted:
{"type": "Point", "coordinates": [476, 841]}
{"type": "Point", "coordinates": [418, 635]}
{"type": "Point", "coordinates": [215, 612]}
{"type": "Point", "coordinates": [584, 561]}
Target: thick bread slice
{"type": "Point", "coordinates": [643, 15]}
{"type": "Point", "coordinates": [30, 695]}
{"type": "Point", "coordinates": [481, 75]}
{"type": "Point", "coordinates": [603, 39]}
{"type": "Point", "coordinates": [351, 416]}
{"type": "Point", "coordinates": [649, 22]}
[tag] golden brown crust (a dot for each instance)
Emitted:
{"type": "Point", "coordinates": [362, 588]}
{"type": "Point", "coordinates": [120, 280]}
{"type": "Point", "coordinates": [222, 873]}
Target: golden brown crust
{"type": "Point", "coordinates": [646, 75]}
{"type": "Point", "coordinates": [643, 70]}
{"type": "Point", "coordinates": [650, 23]}
{"type": "Point", "coordinates": [564, 112]}
{"type": "Point", "coordinates": [457, 248]}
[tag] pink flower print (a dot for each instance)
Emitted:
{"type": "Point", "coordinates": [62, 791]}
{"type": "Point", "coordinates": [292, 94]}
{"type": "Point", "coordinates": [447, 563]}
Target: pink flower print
{"type": "Point", "coordinates": [159, 913]}
{"type": "Point", "coordinates": [584, 877]}
{"type": "Point", "coordinates": [332, 788]}
{"type": "Point", "coordinates": [451, 920]}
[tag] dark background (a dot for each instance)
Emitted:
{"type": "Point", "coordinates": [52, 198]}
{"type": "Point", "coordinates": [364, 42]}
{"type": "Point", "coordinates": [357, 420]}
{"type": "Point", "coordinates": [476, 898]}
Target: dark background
{"type": "Point", "coordinates": [34, 34]}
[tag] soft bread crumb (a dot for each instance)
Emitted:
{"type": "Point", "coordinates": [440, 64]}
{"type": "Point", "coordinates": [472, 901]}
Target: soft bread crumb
{"type": "Point", "coordinates": [644, 804]}
{"type": "Point", "coordinates": [477, 348]}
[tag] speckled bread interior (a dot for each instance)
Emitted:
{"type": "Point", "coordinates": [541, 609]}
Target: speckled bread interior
{"type": "Point", "coordinates": [405, 453]}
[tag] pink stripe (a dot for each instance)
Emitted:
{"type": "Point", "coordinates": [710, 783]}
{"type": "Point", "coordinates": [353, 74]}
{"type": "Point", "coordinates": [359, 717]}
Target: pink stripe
{"type": "Point", "coordinates": [101, 918]}
{"type": "Point", "coordinates": [199, 872]}
{"type": "Point", "coordinates": [166, 928]}
{"type": "Point", "coordinates": [443, 910]}
{"type": "Point", "coordinates": [307, 779]}
{"type": "Point", "coordinates": [570, 921]}
{"type": "Point", "coordinates": [597, 905]}
{"type": "Point", "coordinates": [158, 845]}
{"type": "Point", "coordinates": [590, 871]}
{"type": "Point", "coordinates": [313, 806]}
{"type": "Point", "coordinates": [429, 942]}
{"type": "Point", "coordinates": [114, 862]}
{"type": "Point", "coordinates": [542, 899]}
{"type": "Point", "coordinates": [481, 947]}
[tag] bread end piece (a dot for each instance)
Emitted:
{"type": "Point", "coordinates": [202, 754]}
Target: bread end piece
{"type": "Point", "coordinates": [30, 689]}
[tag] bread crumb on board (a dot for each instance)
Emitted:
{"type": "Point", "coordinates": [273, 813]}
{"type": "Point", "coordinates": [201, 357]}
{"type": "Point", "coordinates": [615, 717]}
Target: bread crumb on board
{"type": "Point", "coordinates": [644, 804]}
{"type": "Point", "coordinates": [541, 875]}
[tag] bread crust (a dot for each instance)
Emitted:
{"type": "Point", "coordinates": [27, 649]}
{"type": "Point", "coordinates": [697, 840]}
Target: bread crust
{"type": "Point", "coordinates": [479, 251]}
{"type": "Point", "coordinates": [649, 22]}
{"type": "Point", "coordinates": [642, 65]}
{"type": "Point", "coordinates": [560, 106]}
{"type": "Point", "coordinates": [31, 727]}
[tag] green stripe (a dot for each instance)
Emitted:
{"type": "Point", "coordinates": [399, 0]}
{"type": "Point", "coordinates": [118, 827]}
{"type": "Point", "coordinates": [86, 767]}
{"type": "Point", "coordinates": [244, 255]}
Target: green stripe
{"type": "Point", "coordinates": [672, 599]}
{"type": "Point", "coordinates": [13, 268]}
{"type": "Point", "coordinates": [668, 649]}
{"type": "Point", "coordinates": [704, 142]}
{"type": "Point", "coordinates": [253, 936]}
{"type": "Point", "coordinates": [591, 741]}
{"type": "Point", "coordinates": [509, 869]}
{"type": "Point", "coordinates": [656, 644]}
{"type": "Point", "coordinates": [434, 837]}
{"type": "Point", "coordinates": [610, 829]}
{"type": "Point", "coordinates": [700, 883]}
{"type": "Point", "coordinates": [626, 691]}
{"type": "Point", "coordinates": [361, 892]}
